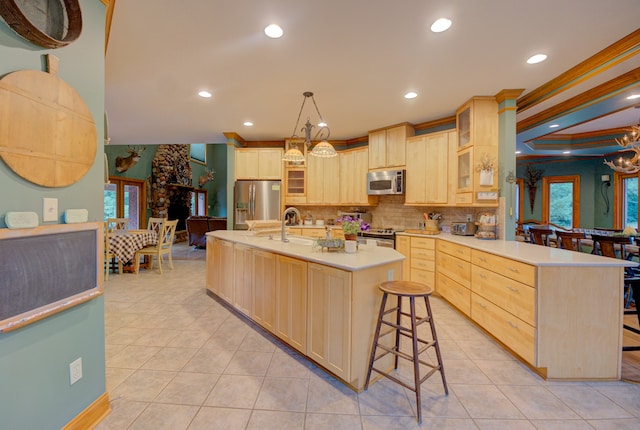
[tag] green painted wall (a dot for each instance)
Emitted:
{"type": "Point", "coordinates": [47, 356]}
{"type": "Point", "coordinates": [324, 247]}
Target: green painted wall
{"type": "Point", "coordinates": [34, 360]}
{"type": "Point", "coordinates": [216, 159]}
{"type": "Point", "coordinates": [592, 204]}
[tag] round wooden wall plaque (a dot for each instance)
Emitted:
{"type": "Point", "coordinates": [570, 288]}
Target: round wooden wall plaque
{"type": "Point", "coordinates": [47, 133]}
{"type": "Point", "coordinates": [50, 24]}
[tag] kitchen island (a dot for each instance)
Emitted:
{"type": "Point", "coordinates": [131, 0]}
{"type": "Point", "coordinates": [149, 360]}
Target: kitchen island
{"type": "Point", "coordinates": [559, 311]}
{"type": "Point", "coordinates": [323, 304]}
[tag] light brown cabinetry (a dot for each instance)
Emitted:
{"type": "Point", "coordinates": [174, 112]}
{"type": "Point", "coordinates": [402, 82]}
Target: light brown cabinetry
{"type": "Point", "coordinates": [423, 260]}
{"type": "Point", "coordinates": [428, 169]}
{"type": "Point", "coordinates": [329, 318]}
{"type": "Point", "coordinates": [353, 178]}
{"type": "Point", "coordinates": [295, 185]}
{"type": "Point", "coordinates": [323, 182]}
{"type": "Point", "coordinates": [403, 246]}
{"type": "Point", "coordinates": [477, 126]}
{"type": "Point", "coordinates": [220, 279]}
{"type": "Point", "coordinates": [454, 275]}
{"type": "Point", "coordinates": [503, 301]}
{"type": "Point", "coordinates": [264, 289]}
{"type": "Point", "coordinates": [258, 163]}
{"type": "Point", "coordinates": [243, 278]}
{"type": "Point", "coordinates": [291, 302]}
{"type": "Point", "coordinates": [387, 147]}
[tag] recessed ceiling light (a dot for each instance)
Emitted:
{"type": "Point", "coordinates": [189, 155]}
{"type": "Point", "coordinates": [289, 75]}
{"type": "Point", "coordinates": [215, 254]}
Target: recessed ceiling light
{"type": "Point", "coordinates": [441, 25]}
{"type": "Point", "coordinates": [633, 97]}
{"type": "Point", "coordinates": [554, 126]}
{"type": "Point", "coordinates": [205, 94]}
{"type": "Point", "coordinates": [537, 58]}
{"type": "Point", "coordinates": [248, 124]}
{"type": "Point", "coordinates": [411, 95]}
{"type": "Point", "coordinates": [518, 152]}
{"type": "Point", "coordinates": [566, 152]}
{"type": "Point", "coordinates": [274, 31]}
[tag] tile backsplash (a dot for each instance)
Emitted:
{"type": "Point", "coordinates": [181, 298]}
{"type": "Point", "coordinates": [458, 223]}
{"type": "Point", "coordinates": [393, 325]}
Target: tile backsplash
{"type": "Point", "coordinates": [392, 213]}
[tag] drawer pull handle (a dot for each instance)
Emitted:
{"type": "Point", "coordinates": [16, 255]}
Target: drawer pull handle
{"type": "Point", "coordinates": [484, 260]}
{"type": "Point", "coordinates": [459, 266]}
{"type": "Point", "coordinates": [514, 289]}
{"type": "Point", "coordinates": [482, 305]}
{"type": "Point", "coordinates": [512, 324]}
{"type": "Point", "coordinates": [513, 269]}
{"type": "Point", "coordinates": [482, 275]}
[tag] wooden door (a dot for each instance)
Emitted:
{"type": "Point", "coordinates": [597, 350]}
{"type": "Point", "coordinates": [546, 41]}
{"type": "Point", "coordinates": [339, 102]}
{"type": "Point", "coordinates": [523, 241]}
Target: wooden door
{"type": "Point", "coordinates": [436, 168]}
{"type": "Point", "coordinates": [270, 163]}
{"type": "Point", "coordinates": [246, 164]}
{"type": "Point", "coordinates": [416, 170]}
{"type": "Point", "coordinates": [315, 180]}
{"type": "Point", "coordinates": [291, 302]}
{"type": "Point", "coordinates": [331, 182]}
{"type": "Point", "coordinates": [403, 246]}
{"type": "Point", "coordinates": [377, 149]}
{"type": "Point", "coordinates": [396, 143]}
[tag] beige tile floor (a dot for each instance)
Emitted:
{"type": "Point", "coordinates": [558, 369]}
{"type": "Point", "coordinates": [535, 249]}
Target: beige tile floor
{"type": "Point", "coordinates": [177, 359]}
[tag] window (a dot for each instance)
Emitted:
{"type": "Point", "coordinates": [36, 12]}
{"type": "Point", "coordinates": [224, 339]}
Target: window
{"type": "Point", "coordinates": [125, 198]}
{"type": "Point", "coordinates": [199, 202]}
{"type": "Point", "coordinates": [561, 200]}
{"type": "Point", "coordinates": [626, 198]}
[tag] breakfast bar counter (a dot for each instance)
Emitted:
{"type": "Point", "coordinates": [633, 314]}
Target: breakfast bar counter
{"type": "Point", "coordinates": [323, 304]}
{"type": "Point", "coordinates": [559, 311]}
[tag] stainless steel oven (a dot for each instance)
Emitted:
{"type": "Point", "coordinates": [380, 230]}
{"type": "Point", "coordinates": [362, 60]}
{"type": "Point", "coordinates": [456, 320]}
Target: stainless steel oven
{"type": "Point", "coordinates": [383, 236]}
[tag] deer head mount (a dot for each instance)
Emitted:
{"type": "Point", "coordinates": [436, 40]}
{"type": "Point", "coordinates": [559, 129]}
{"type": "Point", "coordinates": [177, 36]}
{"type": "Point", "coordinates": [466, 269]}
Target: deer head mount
{"type": "Point", "coordinates": [125, 163]}
{"type": "Point", "coordinates": [206, 178]}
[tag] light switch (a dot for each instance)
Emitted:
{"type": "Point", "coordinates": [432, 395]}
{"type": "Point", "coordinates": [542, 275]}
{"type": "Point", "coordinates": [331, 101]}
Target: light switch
{"type": "Point", "coordinates": [50, 209]}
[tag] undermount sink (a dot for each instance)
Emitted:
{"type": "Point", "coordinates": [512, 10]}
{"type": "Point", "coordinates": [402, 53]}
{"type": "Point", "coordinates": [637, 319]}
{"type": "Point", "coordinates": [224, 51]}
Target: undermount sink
{"type": "Point", "coordinates": [296, 240]}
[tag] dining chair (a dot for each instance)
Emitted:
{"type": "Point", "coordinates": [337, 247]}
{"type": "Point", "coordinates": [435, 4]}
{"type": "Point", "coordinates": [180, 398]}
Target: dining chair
{"type": "Point", "coordinates": [570, 240]}
{"type": "Point", "coordinates": [607, 246]}
{"type": "Point", "coordinates": [109, 256]}
{"type": "Point", "coordinates": [155, 224]}
{"type": "Point", "coordinates": [118, 223]}
{"type": "Point", "coordinates": [163, 247]}
{"type": "Point", "coordinates": [540, 236]}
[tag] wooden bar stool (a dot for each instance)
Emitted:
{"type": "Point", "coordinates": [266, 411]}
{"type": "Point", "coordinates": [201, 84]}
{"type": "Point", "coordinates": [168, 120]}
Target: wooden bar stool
{"type": "Point", "coordinates": [411, 290]}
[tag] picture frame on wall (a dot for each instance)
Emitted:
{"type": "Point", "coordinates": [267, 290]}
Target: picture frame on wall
{"type": "Point", "coordinates": [198, 153]}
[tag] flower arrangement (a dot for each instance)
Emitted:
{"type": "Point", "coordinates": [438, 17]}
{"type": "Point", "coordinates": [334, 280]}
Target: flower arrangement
{"type": "Point", "coordinates": [486, 164]}
{"type": "Point", "coordinates": [351, 225]}
{"type": "Point", "coordinates": [533, 175]}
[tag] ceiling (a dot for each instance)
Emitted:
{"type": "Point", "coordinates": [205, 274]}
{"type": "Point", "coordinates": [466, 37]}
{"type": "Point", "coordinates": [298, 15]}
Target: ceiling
{"type": "Point", "coordinates": [359, 57]}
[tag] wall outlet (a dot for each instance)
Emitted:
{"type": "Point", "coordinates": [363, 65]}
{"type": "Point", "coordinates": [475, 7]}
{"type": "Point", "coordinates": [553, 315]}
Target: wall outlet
{"type": "Point", "coordinates": [49, 209]}
{"type": "Point", "coordinates": [469, 217]}
{"type": "Point", "coordinates": [75, 371]}
{"type": "Point", "coordinates": [390, 275]}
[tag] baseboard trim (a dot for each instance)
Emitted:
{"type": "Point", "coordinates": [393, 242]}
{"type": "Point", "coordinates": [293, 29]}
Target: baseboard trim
{"type": "Point", "coordinates": [92, 415]}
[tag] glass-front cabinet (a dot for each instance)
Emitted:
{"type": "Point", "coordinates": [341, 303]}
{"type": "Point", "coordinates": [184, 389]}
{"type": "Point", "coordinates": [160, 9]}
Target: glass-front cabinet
{"type": "Point", "coordinates": [477, 154]}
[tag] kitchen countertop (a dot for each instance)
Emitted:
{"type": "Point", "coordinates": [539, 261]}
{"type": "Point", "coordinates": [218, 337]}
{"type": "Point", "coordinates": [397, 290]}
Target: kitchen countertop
{"type": "Point", "coordinates": [528, 253]}
{"type": "Point", "coordinates": [302, 248]}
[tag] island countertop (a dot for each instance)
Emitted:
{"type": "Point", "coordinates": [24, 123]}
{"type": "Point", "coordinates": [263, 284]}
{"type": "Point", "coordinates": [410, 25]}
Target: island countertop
{"type": "Point", "coordinates": [300, 247]}
{"type": "Point", "coordinates": [536, 255]}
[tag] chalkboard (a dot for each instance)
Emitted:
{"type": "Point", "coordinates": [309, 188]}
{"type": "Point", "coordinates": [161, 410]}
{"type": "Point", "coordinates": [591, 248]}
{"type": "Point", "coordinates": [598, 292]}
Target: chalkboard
{"type": "Point", "coordinates": [46, 272]}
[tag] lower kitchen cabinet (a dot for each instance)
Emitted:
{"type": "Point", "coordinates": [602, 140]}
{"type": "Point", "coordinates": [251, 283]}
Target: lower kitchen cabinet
{"type": "Point", "coordinates": [264, 289]}
{"type": "Point", "coordinates": [243, 274]}
{"type": "Point", "coordinates": [329, 318]}
{"type": "Point", "coordinates": [423, 260]}
{"type": "Point", "coordinates": [454, 275]}
{"type": "Point", "coordinates": [291, 302]}
{"type": "Point", "coordinates": [403, 246]}
{"type": "Point", "coordinates": [220, 279]}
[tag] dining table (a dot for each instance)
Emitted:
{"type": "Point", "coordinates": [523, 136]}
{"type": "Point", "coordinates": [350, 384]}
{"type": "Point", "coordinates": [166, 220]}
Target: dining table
{"type": "Point", "coordinates": [125, 243]}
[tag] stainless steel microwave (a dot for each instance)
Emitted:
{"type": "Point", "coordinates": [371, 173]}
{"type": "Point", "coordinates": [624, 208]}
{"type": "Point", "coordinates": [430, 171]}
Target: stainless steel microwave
{"type": "Point", "coordinates": [386, 182]}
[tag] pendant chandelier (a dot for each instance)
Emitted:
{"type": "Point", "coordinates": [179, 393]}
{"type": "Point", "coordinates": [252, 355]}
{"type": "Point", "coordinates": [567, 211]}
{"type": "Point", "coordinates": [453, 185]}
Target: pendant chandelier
{"type": "Point", "coordinates": [629, 142]}
{"type": "Point", "coordinates": [322, 149]}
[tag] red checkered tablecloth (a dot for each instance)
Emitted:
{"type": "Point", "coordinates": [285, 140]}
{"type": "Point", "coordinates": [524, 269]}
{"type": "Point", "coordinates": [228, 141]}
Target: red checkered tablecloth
{"type": "Point", "coordinates": [125, 243]}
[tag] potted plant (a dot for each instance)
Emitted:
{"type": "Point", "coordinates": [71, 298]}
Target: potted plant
{"type": "Point", "coordinates": [351, 226]}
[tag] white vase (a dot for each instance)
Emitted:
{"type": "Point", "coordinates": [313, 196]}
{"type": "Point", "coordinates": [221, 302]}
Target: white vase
{"type": "Point", "coordinates": [486, 177]}
{"type": "Point", "coordinates": [350, 246]}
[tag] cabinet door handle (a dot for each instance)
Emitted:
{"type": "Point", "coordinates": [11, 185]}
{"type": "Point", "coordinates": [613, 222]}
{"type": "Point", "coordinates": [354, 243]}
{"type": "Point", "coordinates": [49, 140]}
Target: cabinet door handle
{"type": "Point", "coordinates": [512, 324]}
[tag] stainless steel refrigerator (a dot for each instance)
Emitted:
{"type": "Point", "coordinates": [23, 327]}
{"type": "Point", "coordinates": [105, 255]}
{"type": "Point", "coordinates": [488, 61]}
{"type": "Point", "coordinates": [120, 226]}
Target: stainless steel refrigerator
{"type": "Point", "coordinates": [255, 200]}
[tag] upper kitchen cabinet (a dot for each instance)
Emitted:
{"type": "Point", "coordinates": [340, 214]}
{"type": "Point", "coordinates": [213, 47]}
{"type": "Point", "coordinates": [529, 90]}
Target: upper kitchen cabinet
{"type": "Point", "coordinates": [353, 178]}
{"type": "Point", "coordinates": [387, 147]}
{"type": "Point", "coordinates": [323, 180]}
{"type": "Point", "coordinates": [477, 153]}
{"type": "Point", "coordinates": [429, 170]}
{"type": "Point", "coordinates": [258, 163]}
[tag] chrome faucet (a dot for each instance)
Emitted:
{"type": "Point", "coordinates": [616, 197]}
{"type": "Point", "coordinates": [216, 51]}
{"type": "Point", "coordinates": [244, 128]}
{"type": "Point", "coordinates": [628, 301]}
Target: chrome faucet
{"type": "Point", "coordinates": [284, 218]}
